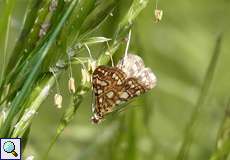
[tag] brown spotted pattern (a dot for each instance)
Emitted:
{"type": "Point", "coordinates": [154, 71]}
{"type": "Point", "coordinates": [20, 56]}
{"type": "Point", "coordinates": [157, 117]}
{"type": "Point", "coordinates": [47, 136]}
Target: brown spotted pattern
{"type": "Point", "coordinates": [112, 87]}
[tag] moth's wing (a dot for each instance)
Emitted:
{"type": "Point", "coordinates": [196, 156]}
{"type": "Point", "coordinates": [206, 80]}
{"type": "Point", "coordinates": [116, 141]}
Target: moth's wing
{"type": "Point", "coordinates": [107, 82]}
{"type": "Point", "coordinates": [112, 88]}
{"type": "Point", "coordinates": [131, 89]}
{"type": "Point", "coordinates": [119, 108]}
{"type": "Point", "coordinates": [115, 99]}
{"type": "Point", "coordinates": [105, 78]}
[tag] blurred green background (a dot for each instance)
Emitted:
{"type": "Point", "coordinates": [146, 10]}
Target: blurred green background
{"type": "Point", "coordinates": [179, 50]}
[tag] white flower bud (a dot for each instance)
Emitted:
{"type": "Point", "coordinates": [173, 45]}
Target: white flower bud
{"type": "Point", "coordinates": [158, 15]}
{"type": "Point", "coordinates": [72, 87]}
{"type": "Point", "coordinates": [58, 100]}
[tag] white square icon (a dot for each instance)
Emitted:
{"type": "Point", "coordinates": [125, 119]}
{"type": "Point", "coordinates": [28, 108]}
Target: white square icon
{"type": "Point", "coordinates": [10, 149]}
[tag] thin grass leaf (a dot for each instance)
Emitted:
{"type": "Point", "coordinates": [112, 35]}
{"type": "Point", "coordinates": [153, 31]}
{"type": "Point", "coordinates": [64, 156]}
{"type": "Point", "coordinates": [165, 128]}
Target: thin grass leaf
{"type": "Point", "coordinates": [189, 131]}
{"type": "Point", "coordinates": [28, 23]}
{"type": "Point", "coordinates": [36, 98]}
{"type": "Point", "coordinates": [223, 140]}
{"type": "Point", "coordinates": [4, 33]}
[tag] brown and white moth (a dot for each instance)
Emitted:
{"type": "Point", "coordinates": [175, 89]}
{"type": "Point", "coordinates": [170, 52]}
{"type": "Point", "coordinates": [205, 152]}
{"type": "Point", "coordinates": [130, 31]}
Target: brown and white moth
{"type": "Point", "coordinates": [113, 86]}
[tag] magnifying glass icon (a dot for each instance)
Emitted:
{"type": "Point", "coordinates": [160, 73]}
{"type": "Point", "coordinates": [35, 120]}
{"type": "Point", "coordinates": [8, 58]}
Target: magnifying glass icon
{"type": "Point", "coordinates": [9, 147]}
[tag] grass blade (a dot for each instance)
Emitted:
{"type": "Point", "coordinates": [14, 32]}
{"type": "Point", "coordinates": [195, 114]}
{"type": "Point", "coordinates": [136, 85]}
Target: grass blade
{"type": "Point", "coordinates": [223, 141]}
{"type": "Point", "coordinates": [188, 138]}
{"type": "Point", "coordinates": [30, 16]}
{"type": "Point", "coordinates": [38, 95]}
{"type": "Point", "coordinates": [4, 33]}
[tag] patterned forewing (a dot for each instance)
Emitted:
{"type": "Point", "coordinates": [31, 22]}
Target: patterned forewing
{"type": "Point", "coordinates": [111, 88]}
{"type": "Point", "coordinates": [107, 81]}
{"type": "Point", "coordinates": [133, 88]}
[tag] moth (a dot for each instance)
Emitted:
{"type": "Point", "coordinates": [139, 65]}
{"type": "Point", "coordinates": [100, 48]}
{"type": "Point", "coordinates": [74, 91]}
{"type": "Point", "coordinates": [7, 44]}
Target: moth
{"type": "Point", "coordinates": [113, 86]}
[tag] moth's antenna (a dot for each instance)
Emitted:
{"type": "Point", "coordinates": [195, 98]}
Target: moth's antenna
{"type": "Point", "coordinates": [110, 55]}
{"type": "Point", "coordinates": [156, 4]}
{"type": "Point", "coordinates": [128, 42]}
